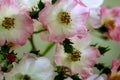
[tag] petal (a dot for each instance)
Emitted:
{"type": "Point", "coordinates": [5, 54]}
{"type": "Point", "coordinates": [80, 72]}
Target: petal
{"type": "Point", "coordinates": [95, 77]}
{"type": "Point", "coordinates": [93, 3]}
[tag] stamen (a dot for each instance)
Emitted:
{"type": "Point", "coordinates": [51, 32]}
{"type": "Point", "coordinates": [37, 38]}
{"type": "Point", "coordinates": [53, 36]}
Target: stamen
{"type": "Point", "coordinates": [8, 23]}
{"type": "Point", "coordinates": [75, 56]}
{"type": "Point", "coordinates": [64, 17]}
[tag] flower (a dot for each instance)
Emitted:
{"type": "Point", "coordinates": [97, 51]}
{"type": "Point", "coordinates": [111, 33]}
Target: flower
{"type": "Point", "coordinates": [81, 60]}
{"type": "Point", "coordinates": [15, 25]}
{"type": "Point", "coordinates": [31, 68]}
{"type": "Point", "coordinates": [63, 21]}
{"type": "Point", "coordinates": [115, 73]}
{"type": "Point", "coordinates": [110, 19]}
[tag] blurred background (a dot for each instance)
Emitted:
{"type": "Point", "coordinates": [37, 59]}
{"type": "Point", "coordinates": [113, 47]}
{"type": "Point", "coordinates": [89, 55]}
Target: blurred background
{"type": "Point", "coordinates": [106, 58]}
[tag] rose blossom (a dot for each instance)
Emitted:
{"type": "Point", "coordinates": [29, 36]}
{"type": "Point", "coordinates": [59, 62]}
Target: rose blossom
{"type": "Point", "coordinates": [63, 21]}
{"type": "Point", "coordinates": [31, 68]}
{"type": "Point", "coordinates": [110, 18]}
{"type": "Point", "coordinates": [81, 61]}
{"type": "Point", "coordinates": [15, 25]}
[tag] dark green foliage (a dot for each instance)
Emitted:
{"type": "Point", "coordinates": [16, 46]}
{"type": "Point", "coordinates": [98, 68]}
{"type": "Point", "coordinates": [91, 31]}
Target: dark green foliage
{"type": "Point", "coordinates": [53, 1]}
{"type": "Point", "coordinates": [103, 49]}
{"type": "Point", "coordinates": [34, 14]}
{"type": "Point", "coordinates": [41, 5]}
{"type": "Point", "coordinates": [68, 48]}
{"type": "Point", "coordinates": [103, 29]}
{"type": "Point", "coordinates": [99, 66]}
{"type": "Point", "coordinates": [106, 70]}
{"type": "Point", "coordinates": [75, 77]}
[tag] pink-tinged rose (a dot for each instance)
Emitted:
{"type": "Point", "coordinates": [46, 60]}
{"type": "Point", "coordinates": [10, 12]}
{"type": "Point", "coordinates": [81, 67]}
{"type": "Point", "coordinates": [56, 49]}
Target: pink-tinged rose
{"type": "Point", "coordinates": [81, 61]}
{"type": "Point", "coordinates": [31, 68]}
{"type": "Point", "coordinates": [16, 25]}
{"type": "Point", "coordinates": [111, 19]}
{"type": "Point", "coordinates": [63, 21]}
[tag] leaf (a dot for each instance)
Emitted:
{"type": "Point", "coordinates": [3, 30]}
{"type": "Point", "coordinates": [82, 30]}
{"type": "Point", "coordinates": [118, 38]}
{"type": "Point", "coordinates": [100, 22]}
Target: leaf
{"type": "Point", "coordinates": [53, 1]}
{"type": "Point", "coordinates": [68, 48]}
{"type": "Point", "coordinates": [34, 14]}
{"type": "Point", "coordinates": [41, 5]}
{"type": "Point", "coordinates": [99, 66]}
{"type": "Point", "coordinates": [103, 50]}
{"type": "Point", "coordinates": [102, 29]}
{"type": "Point", "coordinates": [75, 77]}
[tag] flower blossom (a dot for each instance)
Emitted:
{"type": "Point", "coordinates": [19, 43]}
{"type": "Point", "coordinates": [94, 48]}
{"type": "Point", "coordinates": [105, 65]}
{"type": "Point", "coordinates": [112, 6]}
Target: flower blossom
{"type": "Point", "coordinates": [63, 21]}
{"type": "Point", "coordinates": [115, 73]}
{"type": "Point", "coordinates": [31, 68]}
{"type": "Point", "coordinates": [81, 60]}
{"type": "Point", "coordinates": [15, 25]}
{"type": "Point", "coordinates": [111, 20]}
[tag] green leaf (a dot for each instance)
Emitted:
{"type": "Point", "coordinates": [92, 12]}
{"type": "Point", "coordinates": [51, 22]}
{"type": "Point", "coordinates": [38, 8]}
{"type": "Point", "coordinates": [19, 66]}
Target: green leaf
{"type": "Point", "coordinates": [59, 77]}
{"type": "Point", "coordinates": [68, 48]}
{"type": "Point", "coordinates": [99, 66]}
{"type": "Point", "coordinates": [103, 50]}
{"type": "Point", "coordinates": [53, 1]}
{"type": "Point", "coordinates": [103, 29]}
{"type": "Point", "coordinates": [67, 41]}
{"type": "Point", "coordinates": [34, 14]}
{"type": "Point", "coordinates": [41, 5]}
{"type": "Point", "coordinates": [75, 77]}
{"type": "Point", "coordinates": [106, 70]}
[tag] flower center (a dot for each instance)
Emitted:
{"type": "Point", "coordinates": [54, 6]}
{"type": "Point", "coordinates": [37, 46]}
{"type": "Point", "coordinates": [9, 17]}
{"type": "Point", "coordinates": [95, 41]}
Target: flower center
{"type": "Point", "coordinates": [8, 23]}
{"type": "Point", "coordinates": [64, 17]}
{"type": "Point", "coordinates": [75, 56]}
{"type": "Point", "coordinates": [110, 23]}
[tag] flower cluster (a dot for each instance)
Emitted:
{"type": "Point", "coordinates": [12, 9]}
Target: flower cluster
{"type": "Point", "coordinates": [68, 25]}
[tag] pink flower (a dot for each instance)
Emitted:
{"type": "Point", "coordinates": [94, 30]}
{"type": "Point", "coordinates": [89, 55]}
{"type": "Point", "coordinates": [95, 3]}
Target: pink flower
{"type": "Point", "coordinates": [63, 21]}
{"type": "Point", "coordinates": [31, 68]}
{"type": "Point", "coordinates": [111, 19]}
{"type": "Point", "coordinates": [16, 25]}
{"type": "Point", "coordinates": [81, 61]}
{"type": "Point", "coordinates": [115, 74]}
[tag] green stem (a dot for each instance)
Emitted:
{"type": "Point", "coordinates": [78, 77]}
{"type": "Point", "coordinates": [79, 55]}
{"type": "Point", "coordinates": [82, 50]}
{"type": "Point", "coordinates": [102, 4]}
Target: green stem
{"type": "Point", "coordinates": [32, 43]}
{"type": "Point", "coordinates": [42, 30]}
{"type": "Point", "coordinates": [47, 49]}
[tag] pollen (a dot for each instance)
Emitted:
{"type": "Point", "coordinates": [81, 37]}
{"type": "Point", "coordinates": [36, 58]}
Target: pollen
{"type": "Point", "coordinates": [8, 23]}
{"type": "Point", "coordinates": [64, 17]}
{"type": "Point", "coordinates": [110, 23]}
{"type": "Point", "coordinates": [75, 56]}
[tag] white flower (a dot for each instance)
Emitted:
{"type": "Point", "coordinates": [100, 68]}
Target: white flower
{"type": "Point", "coordinates": [31, 68]}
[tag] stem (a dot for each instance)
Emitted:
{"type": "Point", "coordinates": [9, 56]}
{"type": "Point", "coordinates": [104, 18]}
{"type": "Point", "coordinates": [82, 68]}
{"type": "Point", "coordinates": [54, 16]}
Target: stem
{"type": "Point", "coordinates": [47, 49]}
{"type": "Point", "coordinates": [42, 30]}
{"type": "Point", "coordinates": [32, 43]}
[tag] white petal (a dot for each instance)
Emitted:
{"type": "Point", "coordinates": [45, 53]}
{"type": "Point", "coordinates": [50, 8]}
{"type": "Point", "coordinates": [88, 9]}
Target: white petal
{"type": "Point", "coordinates": [95, 77]}
{"type": "Point", "coordinates": [93, 3]}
